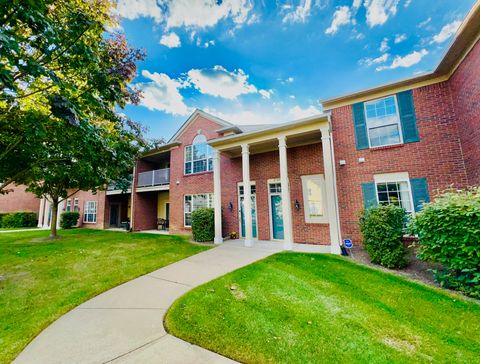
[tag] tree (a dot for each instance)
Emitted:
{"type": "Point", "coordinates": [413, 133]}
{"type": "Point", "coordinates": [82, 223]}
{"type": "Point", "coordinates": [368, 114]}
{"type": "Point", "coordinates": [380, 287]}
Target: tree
{"type": "Point", "coordinates": [62, 80]}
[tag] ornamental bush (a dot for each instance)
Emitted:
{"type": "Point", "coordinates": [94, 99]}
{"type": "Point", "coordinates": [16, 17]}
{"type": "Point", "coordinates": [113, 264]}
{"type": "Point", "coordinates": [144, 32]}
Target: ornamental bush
{"type": "Point", "coordinates": [449, 234]}
{"type": "Point", "coordinates": [69, 219]}
{"type": "Point", "coordinates": [18, 220]}
{"type": "Point", "coordinates": [382, 229]}
{"type": "Point", "coordinates": [203, 224]}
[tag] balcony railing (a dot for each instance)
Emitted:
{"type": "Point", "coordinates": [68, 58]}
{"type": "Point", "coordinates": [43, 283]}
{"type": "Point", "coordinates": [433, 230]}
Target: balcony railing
{"type": "Point", "coordinates": [157, 177]}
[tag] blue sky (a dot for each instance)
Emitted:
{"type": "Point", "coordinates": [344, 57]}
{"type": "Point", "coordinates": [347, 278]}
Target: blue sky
{"type": "Point", "coordinates": [256, 62]}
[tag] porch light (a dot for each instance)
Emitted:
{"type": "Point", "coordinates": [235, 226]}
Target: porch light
{"type": "Point", "coordinates": [230, 206]}
{"type": "Point", "coordinates": [297, 205]}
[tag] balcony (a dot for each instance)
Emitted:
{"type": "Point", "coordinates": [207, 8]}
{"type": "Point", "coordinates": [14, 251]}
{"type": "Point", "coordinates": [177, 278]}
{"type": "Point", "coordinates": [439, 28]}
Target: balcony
{"type": "Point", "coordinates": [155, 180]}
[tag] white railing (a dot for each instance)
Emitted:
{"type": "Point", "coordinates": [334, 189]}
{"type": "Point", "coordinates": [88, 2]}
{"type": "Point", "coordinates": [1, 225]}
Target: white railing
{"type": "Point", "coordinates": [157, 177]}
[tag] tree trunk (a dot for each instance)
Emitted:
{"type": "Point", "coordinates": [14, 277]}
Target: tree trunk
{"type": "Point", "coordinates": [53, 222]}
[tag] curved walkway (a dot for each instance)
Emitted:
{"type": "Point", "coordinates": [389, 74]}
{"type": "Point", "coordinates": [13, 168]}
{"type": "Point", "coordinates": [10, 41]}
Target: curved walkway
{"type": "Point", "coordinates": [125, 324]}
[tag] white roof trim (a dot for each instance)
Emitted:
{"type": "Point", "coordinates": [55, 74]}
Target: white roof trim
{"type": "Point", "coordinates": [192, 117]}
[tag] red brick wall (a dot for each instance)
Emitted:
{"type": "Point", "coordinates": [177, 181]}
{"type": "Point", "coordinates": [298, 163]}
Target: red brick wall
{"type": "Point", "coordinates": [188, 184]}
{"type": "Point", "coordinates": [83, 197]}
{"type": "Point", "coordinates": [301, 161]}
{"type": "Point", "coordinates": [19, 200]}
{"type": "Point", "coordinates": [438, 155]}
{"type": "Point", "coordinates": [465, 87]}
{"type": "Point", "coordinates": [144, 203]}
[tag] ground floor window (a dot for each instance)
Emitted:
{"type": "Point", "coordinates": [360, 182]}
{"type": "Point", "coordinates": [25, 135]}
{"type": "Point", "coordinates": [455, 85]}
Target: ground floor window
{"type": "Point", "coordinates": [90, 212]}
{"type": "Point", "coordinates": [76, 205]}
{"type": "Point", "coordinates": [194, 202]}
{"type": "Point", "coordinates": [69, 205]}
{"type": "Point", "coordinates": [394, 189]}
{"type": "Point", "coordinates": [314, 198]}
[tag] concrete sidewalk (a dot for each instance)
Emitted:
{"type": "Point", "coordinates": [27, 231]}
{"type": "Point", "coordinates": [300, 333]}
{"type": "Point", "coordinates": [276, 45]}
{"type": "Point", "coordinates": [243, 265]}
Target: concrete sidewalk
{"type": "Point", "coordinates": [125, 324]}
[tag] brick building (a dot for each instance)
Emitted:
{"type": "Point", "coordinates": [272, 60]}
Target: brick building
{"type": "Point", "coordinates": [308, 179]}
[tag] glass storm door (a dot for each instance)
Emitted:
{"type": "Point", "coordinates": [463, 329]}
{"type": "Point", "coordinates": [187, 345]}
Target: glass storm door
{"type": "Point", "coordinates": [242, 211]}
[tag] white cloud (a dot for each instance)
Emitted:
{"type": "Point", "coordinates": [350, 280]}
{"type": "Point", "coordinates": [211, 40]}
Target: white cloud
{"type": "Point", "coordinates": [424, 23]}
{"type": "Point", "coordinates": [342, 16]}
{"type": "Point", "coordinates": [356, 4]}
{"type": "Point", "coordinates": [297, 112]}
{"type": "Point", "coordinates": [299, 14]}
{"type": "Point", "coordinates": [372, 61]}
{"type": "Point", "coordinates": [206, 13]}
{"type": "Point", "coordinates": [221, 83]}
{"type": "Point", "coordinates": [384, 45]}
{"type": "Point", "coordinates": [446, 32]}
{"type": "Point", "coordinates": [244, 117]}
{"type": "Point", "coordinates": [170, 40]}
{"type": "Point", "coordinates": [399, 38]}
{"type": "Point", "coordinates": [378, 11]}
{"type": "Point", "coordinates": [407, 3]}
{"type": "Point", "coordinates": [161, 93]}
{"type": "Point", "coordinates": [406, 61]}
{"type": "Point", "coordinates": [133, 9]}
{"type": "Point", "coordinates": [266, 93]}
{"type": "Point", "coordinates": [209, 43]}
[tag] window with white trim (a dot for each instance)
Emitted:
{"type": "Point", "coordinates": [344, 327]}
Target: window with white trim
{"type": "Point", "coordinates": [194, 202]}
{"type": "Point", "coordinates": [90, 212]}
{"type": "Point", "coordinates": [69, 205]}
{"type": "Point", "coordinates": [76, 205]}
{"type": "Point", "coordinates": [383, 122]}
{"type": "Point", "coordinates": [395, 192]}
{"type": "Point", "coordinates": [198, 156]}
{"type": "Point", "coordinates": [314, 198]}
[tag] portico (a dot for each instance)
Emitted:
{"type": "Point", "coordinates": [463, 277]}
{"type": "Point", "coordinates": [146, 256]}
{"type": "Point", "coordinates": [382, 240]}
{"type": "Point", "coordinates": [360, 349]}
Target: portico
{"type": "Point", "coordinates": [277, 143]}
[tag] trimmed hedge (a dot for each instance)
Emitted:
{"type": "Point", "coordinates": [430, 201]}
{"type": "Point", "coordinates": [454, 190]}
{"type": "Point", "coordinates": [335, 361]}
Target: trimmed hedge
{"type": "Point", "coordinates": [382, 229]}
{"type": "Point", "coordinates": [18, 220]}
{"type": "Point", "coordinates": [69, 219]}
{"type": "Point", "coordinates": [449, 233]}
{"type": "Point", "coordinates": [203, 224]}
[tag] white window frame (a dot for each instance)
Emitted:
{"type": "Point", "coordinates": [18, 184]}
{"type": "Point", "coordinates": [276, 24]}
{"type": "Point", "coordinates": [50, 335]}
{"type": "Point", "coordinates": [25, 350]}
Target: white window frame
{"type": "Point", "coordinates": [395, 178]}
{"type": "Point", "coordinates": [68, 206]}
{"type": "Point", "coordinates": [87, 209]}
{"type": "Point", "coordinates": [76, 205]}
{"type": "Point", "coordinates": [252, 184]}
{"type": "Point", "coordinates": [399, 123]}
{"type": "Point", "coordinates": [209, 205]}
{"type": "Point", "coordinates": [317, 219]}
{"type": "Point", "coordinates": [208, 160]}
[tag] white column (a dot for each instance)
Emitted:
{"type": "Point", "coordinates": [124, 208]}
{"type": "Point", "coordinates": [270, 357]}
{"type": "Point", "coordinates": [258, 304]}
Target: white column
{"type": "Point", "coordinates": [40, 212]}
{"type": "Point", "coordinates": [331, 191]}
{"type": "Point", "coordinates": [247, 199]}
{"type": "Point", "coordinates": [286, 203]}
{"type": "Point", "coordinates": [59, 212]}
{"type": "Point", "coordinates": [46, 223]}
{"type": "Point", "coordinates": [217, 197]}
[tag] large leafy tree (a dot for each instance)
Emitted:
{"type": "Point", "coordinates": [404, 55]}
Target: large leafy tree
{"type": "Point", "coordinates": [62, 80]}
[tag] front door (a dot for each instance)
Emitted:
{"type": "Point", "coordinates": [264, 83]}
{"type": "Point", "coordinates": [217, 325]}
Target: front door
{"type": "Point", "coordinates": [114, 215]}
{"type": "Point", "coordinates": [276, 211]}
{"type": "Point", "coordinates": [242, 211]}
{"type": "Point", "coordinates": [167, 214]}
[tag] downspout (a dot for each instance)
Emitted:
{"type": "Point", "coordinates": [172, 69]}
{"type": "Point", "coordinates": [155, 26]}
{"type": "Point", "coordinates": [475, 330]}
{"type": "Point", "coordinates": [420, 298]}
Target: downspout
{"type": "Point", "coordinates": [132, 194]}
{"type": "Point", "coordinates": [337, 214]}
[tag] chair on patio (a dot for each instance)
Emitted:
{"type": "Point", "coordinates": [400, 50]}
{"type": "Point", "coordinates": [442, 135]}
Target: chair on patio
{"type": "Point", "coordinates": [161, 223]}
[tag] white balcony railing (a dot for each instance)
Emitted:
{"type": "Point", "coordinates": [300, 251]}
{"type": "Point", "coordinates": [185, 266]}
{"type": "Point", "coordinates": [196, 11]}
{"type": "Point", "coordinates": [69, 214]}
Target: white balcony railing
{"type": "Point", "coordinates": [157, 177]}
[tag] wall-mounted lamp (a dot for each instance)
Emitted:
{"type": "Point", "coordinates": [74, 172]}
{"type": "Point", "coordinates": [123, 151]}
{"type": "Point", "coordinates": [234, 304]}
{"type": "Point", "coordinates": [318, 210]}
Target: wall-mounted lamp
{"type": "Point", "coordinates": [178, 182]}
{"type": "Point", "coordinates": [297, 205]}
{"type": "Point", "coordinates": [230, 206]}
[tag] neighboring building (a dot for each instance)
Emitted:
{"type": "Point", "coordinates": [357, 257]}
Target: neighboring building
{"type": "Point", "coordinates": [308, 179]}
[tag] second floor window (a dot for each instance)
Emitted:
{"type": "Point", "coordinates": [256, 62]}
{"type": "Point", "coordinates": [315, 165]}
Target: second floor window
{"type": "Point", "coordinates": [198, 156]}
{"type": "Point", "coordinates": [383, 122]}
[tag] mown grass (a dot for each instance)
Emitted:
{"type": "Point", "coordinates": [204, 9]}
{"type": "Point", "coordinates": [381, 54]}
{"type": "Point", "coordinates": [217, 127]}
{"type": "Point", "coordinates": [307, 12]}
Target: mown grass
{"type": "Point", "coordinates": [309, 308]}
{"type": "Point", "coordinates": [41, 280]}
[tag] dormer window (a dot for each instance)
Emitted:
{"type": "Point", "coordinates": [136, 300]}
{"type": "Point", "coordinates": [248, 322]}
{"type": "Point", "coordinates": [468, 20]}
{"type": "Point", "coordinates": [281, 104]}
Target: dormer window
{"type": "Point", "coordinates": [198, 156]}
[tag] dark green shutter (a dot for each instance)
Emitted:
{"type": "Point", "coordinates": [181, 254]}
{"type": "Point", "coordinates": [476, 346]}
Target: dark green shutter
{"type": "Point", "coordinates": [361, 138]}
{"type": "Point", "coordinates": [419, 192]}
{"type": "Point", "coordinates": [407, 117]}
{"type": "Point", "coordinates": [369, 194]}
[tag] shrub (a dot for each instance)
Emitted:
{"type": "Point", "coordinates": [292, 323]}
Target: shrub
{"type": "Point", "coordinates": [19, 220]}
{"type": "Point", "coordinates": [203, 224]}
{"type": "Point", "coordinates": [382, 230]}
{"type": "Point", "coordinates": [449, 234]}
{"type": "Point", "coordinates": [69, 219]}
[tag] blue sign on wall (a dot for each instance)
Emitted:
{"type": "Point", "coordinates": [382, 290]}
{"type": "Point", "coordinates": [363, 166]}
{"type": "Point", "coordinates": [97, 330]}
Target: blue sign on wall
{"type": "Point", "coordinates": [347, 243]}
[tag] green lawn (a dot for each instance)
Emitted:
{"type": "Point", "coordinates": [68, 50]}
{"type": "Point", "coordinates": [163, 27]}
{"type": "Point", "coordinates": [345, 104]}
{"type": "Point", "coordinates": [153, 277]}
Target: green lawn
{"type": "Point", "coordinates": [309, 308]}
{"type": "Point", "coordinates": [40, 281]}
